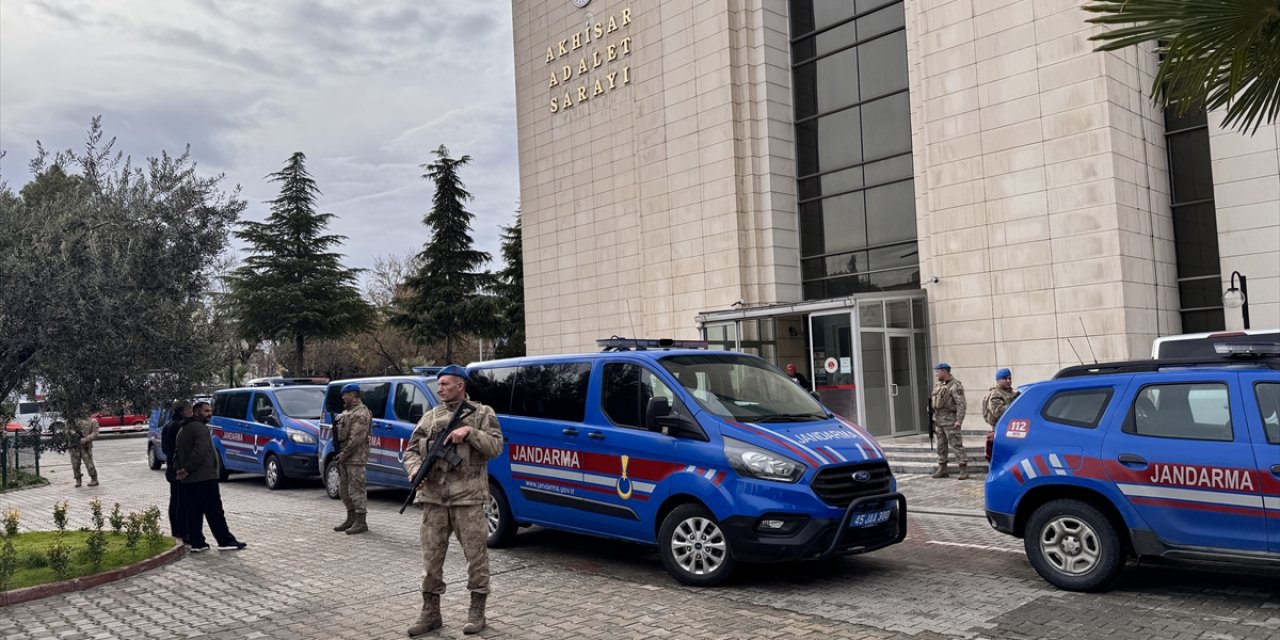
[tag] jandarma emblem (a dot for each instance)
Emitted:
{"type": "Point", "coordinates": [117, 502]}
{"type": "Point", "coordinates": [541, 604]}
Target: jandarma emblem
{"type": "Point", "coordinates": [581, 3]}
{"type": "Point", "coordinates": [862, 476]}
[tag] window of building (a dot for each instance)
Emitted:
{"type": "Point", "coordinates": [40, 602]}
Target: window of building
{"type": "Point", "coordinates": [1083, 408]}
{"type": "Point", "coordinates": [1197, 411]}
{"type": "Point", "coordinates": [1195, 223]}
{"type": "Point", "coordinates": [853, 146]}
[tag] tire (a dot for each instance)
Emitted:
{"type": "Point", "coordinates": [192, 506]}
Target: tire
{"type": "Point", "coordinates": [1073, 546]}
{"type": "Point", "coordinates": [273, 472]}
{"type": "Point", "coordinates": [223, 474]}
{"type": "Point", "coordinates": [502, 524]}
{"type": "Point", "coordinates": [331, 480]}
{"type": "Point", "coordinates": [153, 460]}
{"type": "Point", "coordinates": [693, 547]}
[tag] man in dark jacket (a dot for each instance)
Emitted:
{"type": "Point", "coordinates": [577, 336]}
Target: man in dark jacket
{"type": "Point", "coordinates": [197, 470]}
{"type": "Point", "coordinates": [168, 441]}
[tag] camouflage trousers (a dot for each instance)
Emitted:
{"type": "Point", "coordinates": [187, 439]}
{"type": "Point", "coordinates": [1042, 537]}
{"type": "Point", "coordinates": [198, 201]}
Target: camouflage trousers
{"type": "Point", "coordinates": [84, 453]}
{"type": "Point", "coordinates": [471, 527]}
{"type": "Point", "coordinates": [949, 441]}
{"type": "Point", "coordinates": [351, 487]}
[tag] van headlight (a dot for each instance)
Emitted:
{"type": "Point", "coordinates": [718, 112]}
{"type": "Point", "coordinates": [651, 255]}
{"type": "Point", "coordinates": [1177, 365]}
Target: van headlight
{"type": "Point", "coordinates": [301, 437]}
{"type": "Point", "coordinates": [753, 462]}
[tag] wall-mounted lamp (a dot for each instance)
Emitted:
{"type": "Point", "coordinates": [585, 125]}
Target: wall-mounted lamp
{"type": "Point", "coordinates": [1234, 298]}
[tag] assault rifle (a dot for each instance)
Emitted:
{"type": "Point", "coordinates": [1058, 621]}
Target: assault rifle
{"type": "Point", "coordinates": [442, 450]}
{"type": "Point", "coordinates": [929, 409]}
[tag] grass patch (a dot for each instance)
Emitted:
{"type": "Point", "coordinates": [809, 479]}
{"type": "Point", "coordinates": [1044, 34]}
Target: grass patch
{"type": "Point", "coordinates": [33, 565]}
{"type": "Point", "coordinates": [22, 480]}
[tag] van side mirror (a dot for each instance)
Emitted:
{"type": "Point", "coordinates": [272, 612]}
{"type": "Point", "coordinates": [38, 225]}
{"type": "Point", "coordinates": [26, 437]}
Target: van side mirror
{"type": "Point", "coordinates": [415, 413]}
{"type": "Point", "coordinates": [658, 408]}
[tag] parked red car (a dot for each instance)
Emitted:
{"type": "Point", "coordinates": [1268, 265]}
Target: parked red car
{"type": "Point", "coordinates": [118, 422]}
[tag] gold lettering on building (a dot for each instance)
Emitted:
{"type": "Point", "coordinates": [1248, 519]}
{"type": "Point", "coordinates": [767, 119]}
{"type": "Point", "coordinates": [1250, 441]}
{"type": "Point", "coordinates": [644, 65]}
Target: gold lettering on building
{"type": "Point", "coordinates": [598, 52]}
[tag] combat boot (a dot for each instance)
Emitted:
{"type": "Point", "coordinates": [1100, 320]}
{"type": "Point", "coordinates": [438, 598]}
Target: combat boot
{"type": "Point", "coordinates": [475, 616]}
{"type": "Point", "coordinates": [346, 524]}
{"type": "Point", "coordinates": [941, 472]}
{"type": "Point", "coordinates": [77, 483]}
{"type": "Point", "coordinates": [964, 473]}
{"type": "Point", "coordinates": [429, 619]}
{"type": "Point", "coordinates": [361, 525]}
{"type": "Point", "coordinates": [93, 481]}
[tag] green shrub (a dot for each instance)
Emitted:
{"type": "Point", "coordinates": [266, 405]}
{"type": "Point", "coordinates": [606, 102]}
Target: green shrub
{"type": "Point", "coordinates": [11, 523]}
{"type": "Point", "coordinates": [60, 515]}
{"type": "Point", "coordinates": [151, 528]}
{"type": "Point", "coordinates": [133, 531]}
{"type": "Point", "coordinates": [59, 555]}
{"type": "Point", "coordinates": [96, 543]}
{"type": "Point", "coordinates": [117, 519]}
{"type": "Point", "coordinates": [8, 563]}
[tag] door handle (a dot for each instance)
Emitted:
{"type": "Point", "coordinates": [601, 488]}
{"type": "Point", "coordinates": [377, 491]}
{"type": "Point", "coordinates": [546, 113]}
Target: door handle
{"type": "Point", "coordinates": [1129, 458]}
{"type": "Point", "coordinates": [1275, 468]}
{"type": "Point", "coordinates": [595, 435]}
{"type": "Point", "coordinates": [569, 431]}
{"type": "Point", "coordinates": [893, 390]}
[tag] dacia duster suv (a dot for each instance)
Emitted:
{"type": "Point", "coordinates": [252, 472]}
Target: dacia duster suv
{"type": "Point", "coordinates": [1177, 459]}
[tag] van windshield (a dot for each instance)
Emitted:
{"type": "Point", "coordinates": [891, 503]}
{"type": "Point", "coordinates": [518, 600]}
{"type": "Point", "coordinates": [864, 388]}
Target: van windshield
{"type": "Point", "coordinates": [743, 388]}
{"type": "Point", "coordinates": [305, 404]}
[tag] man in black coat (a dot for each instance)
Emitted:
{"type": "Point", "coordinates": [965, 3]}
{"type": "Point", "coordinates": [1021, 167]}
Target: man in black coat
{"type": "Point", "coordinates": [197, 470]}
{"type": "Point", "coordinates": [168, 442]}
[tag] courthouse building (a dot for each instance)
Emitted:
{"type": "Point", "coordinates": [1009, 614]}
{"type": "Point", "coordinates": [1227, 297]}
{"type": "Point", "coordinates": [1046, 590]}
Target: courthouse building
{"type": "Point", "coordinates": [865, 187]}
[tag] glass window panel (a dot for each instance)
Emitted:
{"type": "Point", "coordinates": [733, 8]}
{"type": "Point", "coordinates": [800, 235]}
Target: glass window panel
{"type": "Point", "coordinates": [1268, 396]}
{"type": "Point", "coordinates": [898, 313]}
{"type": "Point", "coordinates": [1195, 294]}
{"type": "Point", "coordinates": [831, 183]}
{"type": "Point", "coordinates": [878, 22]}
{"type": "Point", "coordinates": [842, 223]}
{"type": "Point", "coordinates": [804, 49]}
{"type": "Point", "coordinates": [1199, 411]}
{"type": "Point", "coordinates": [863, 6]}
{"type": "Point", "coordinates": [1078, 408]}
{"type": "Point", "coordinates": [898, 255]}
{"type": "Point", "coordinates": [829, 12]}
{"type": "Point", "coordinates": [840, 134]}
{"type": "Point", "coordinates": [893, 280]}
{"type": "Point", "coordinates": [888, 170]}
{"type": "Point", "coordinates": [1195, 240]}
{"type": "Point", "coordinates": [837, 80]}
{"type": "Point", "coordinates": [871, 314]}
{"type": "Point", "coordinates": [917, 316]}
{"type": "Point", "coordinates": [1193, 118]}
{"type": "Point", "coordinates": [882, 64]}
{"type": "Point", "coordinates": [492, 387]}
{"type": "Point", "coordinates": [886, 128]}
{"type": "Point", "coordinates": [805, 78]}
{"type": "Point", "coordinates": [828, 41]}
{"type": "Point", "coordinates": [1190, 170]}
{"type": "Point", "coordinates": [1203, 321]}
{"type": "Point", "coordinates": [552, 391]}
{"type": "Point", "coordinates": [891, 213]}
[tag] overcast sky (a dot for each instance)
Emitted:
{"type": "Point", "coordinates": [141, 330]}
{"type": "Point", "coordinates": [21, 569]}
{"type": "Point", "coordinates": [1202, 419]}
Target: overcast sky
{"type": "Point", "coordinates": [366, 89]}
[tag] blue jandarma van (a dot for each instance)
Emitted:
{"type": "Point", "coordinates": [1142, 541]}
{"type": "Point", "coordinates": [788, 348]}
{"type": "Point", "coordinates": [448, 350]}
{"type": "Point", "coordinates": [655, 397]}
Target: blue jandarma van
{"type": "Point", "coordinates": [397, 403]}
{"type": "Point", "coordinates": [715, 457]}
{"type": "Point", "coordinates": [270, 431]}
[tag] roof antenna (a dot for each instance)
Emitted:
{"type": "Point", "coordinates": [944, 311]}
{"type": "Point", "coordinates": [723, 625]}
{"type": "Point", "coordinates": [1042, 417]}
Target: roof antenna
{"type": "Point", "coordinates": [1073, 350]}
{"type": "Point", "coordinates": [1087, 340]}
{"type": "Point", "coordinates": [629, 318]}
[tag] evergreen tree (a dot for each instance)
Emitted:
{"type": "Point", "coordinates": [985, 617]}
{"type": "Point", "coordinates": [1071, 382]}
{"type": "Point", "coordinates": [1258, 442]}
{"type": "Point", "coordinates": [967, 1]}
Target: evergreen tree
{"type": "Point", "coordinates": [510, 292]}
{"type": "Point", "coordinates": [441, 300]}
{"type": "Point", "coordinates": [292, 286]}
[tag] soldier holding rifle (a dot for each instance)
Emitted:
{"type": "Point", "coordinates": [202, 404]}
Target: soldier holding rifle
{"type": "Point", "coordinates": [453, 496]}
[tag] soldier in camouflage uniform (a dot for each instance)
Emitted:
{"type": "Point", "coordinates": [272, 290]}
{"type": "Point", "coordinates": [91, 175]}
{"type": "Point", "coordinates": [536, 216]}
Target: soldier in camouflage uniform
{"type": "Point", "coordinates": [998, 397]}
{"type": "Point", "coordinates": [351, 433]}
{"type": "Point", "coordinates": [86, 431]}
{"type": "Point", "coordinates": [453, 499]}
{"type": "Point", "coordinates": [948, 405]}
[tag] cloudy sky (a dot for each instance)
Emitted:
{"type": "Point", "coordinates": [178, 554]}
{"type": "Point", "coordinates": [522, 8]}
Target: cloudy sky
{"type": "Point", "coordinates": [366, 89]}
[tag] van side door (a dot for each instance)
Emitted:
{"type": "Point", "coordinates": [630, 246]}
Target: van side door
{"type": "Point", "coordinates": [1184, 461]}
{"type": "Point", "coordinates": [1261, 390]}
{"type": "Point", "coordinates": [230, 427]}
{"type": "Point", "coordinates": [391, 437]}
{"type": "Point", "coordinates": [383, 468]}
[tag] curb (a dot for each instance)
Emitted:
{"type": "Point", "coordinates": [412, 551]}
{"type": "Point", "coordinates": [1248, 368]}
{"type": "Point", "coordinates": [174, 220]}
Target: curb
{"type": "Point", "coordinates": [86, 582]}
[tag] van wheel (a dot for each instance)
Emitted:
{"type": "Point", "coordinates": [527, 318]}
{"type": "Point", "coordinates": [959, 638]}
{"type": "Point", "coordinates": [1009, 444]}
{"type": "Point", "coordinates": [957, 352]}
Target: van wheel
{"type": "Point", "coordinates": [1073, 546]}
{"type": "Point", "coordinates": [331, 480]}
{"type": "Point", "coordinates": [274, 473]}
{"type": "Point", "coordinates": [502, 525]}
{"type": "Point", "coordinates": [694, 548]}
{"type": "Point", "coordinates": [153, 461]}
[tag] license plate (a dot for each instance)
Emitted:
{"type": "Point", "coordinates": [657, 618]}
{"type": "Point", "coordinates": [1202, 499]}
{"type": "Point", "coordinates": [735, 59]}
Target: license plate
{"type": "Point", "coordinates": [871, 518]}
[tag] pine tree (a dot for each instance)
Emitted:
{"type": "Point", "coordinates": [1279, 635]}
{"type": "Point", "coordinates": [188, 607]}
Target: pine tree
{"type": "Point", "coordinates": [292, 286]}
{"type": "Point", "coordinates": [510, 292]}
{"type": "Point", "coordinates": [442, 300]}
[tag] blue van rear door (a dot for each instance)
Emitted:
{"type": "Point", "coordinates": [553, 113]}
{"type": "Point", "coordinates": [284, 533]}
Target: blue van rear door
{"type": "Point", "coordinates": [1182, 457]}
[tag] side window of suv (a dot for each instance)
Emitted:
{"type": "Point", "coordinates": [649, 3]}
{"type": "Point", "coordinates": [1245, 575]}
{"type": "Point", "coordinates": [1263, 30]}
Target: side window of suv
{"type": "Point", "coordinates": [1268, 394]}
{"type": "Point", "coordinates": [1078, 407]}
{"type": "Point", "coordinates": [626, 393]}
{"type": "Point", "coordinates": [1194, 411]}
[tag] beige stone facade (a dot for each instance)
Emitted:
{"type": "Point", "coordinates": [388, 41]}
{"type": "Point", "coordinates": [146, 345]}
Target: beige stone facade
{"type": "Point", "coordinates": [1043, 204]}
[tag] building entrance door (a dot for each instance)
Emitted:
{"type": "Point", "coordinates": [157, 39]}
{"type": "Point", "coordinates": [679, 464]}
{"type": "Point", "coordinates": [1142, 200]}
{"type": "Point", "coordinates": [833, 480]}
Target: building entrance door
{"type": "Point", "coordinates": [831, 346]}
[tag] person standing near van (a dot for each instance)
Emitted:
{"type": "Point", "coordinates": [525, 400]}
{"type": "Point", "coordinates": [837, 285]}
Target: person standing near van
{"type": "Point", "coordinates": [168, 442]}
{"type": "Point", "coordinates": [998, 397]}
{"type": "Point", "coordinates": [949, 407]}
{"type": "Point", "coordinates": [86, 432]}
{"type": "Point", "coordinates": [453, 499]}
{"type": "Point", "coordinates": [351, 435]}
{"type": "Point", "coordinates": [197, 470]}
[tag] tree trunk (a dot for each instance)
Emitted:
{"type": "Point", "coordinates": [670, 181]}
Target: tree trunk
{"type": "Point", "coordinates": [298, 349]}
{"type": "Point", "coordinates": [448, 348]}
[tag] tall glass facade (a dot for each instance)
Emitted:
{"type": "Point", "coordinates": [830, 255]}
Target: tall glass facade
{"type": "Point", "coordinates": [853, 147]}
{"type": "Point", "coordinates": [1195, 221]}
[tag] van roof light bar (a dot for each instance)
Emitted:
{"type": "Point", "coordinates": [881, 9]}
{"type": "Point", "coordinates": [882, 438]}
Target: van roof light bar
{"type": "Point", "coordinates": [616, 343]}
{"type": "Point", "coordinates": [1246, 349]}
